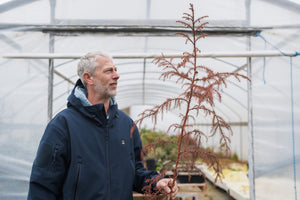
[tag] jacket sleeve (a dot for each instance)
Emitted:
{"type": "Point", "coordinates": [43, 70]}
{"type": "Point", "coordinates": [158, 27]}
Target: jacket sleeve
{"type": "Point", "coordinates": [50, 165]}
{"type": "Point", "coordinates": [141, 174]}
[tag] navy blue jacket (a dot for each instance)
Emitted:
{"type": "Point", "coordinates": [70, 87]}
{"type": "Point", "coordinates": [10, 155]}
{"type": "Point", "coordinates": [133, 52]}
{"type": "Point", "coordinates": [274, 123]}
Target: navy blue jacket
{"type": "Point", "coordinates": [85, 155]}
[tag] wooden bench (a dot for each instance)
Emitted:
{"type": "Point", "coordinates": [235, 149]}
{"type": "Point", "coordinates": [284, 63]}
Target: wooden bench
{"type": "Point", "coordinates": [182, 194]}
{"type": "Point", "coordinates": [201, 186]}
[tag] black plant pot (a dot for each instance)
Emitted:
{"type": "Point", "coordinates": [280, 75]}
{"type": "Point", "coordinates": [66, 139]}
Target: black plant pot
{"type": "Point", "coordinates": [194, 178]}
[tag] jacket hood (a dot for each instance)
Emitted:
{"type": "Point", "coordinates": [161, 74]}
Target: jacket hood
{"type": "Point", "coordinates": [78, 100]}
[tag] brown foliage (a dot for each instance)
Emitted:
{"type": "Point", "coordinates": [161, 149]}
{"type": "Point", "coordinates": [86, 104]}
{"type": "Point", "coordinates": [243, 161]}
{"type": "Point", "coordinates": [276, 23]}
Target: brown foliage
{"type": "Point", "coordinates": [201, 87]}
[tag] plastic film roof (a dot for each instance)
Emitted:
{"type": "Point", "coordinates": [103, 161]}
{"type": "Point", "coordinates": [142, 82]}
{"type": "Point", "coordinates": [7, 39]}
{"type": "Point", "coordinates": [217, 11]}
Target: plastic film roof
{"type": "Point", "coordinates": [149, 26]}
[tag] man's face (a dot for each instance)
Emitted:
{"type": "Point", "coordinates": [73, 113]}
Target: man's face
{"type": "Point", "coordinates": [106, 78]}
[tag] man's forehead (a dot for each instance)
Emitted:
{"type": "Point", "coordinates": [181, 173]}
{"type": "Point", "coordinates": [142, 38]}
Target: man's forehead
{"type": "Point", "coordinates": [104, 61]}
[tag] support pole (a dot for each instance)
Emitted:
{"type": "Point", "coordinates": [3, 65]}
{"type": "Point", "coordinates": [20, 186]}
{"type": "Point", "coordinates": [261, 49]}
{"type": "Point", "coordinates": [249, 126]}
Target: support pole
{"type": "Point", "coordinates": [251, 172]}
{"type": "Point", "coordinates": [50, 88]}
{"type": "Point", "coordinates": [51, 62]}
{"type": "Point", "coordinates": [144, 77]}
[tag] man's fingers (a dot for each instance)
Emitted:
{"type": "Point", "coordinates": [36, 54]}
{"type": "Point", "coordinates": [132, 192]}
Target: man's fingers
{"type": "Point", "coordinates": [167, 189]}
{"type": "Point", "coordinates": [163, 186]}
{"type": "Point", "coordinates": [173, 187]}
{"type": "Point", "coordinates": [166, 186]}
{"type": "Point", "coordinates": [174, 191]}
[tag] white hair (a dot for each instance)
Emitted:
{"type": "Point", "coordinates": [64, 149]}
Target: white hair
{"type": "Point", "coordinates": [87, 63]}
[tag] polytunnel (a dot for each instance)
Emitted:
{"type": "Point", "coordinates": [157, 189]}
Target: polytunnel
{"type": "Point", "coordinates": [41, 42]}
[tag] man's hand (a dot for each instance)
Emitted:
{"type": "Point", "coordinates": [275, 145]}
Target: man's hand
{"type": "Point", "coordinates": [165, 186]}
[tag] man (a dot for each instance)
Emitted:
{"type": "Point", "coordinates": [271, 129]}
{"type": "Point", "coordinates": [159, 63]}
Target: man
{"type": "Point", "coordinates": [91, 150]}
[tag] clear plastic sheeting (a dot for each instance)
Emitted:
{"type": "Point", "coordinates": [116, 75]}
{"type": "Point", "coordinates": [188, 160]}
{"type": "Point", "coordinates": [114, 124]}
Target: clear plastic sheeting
{"type": "Point", "coordinates": [276, 136]}
{"type": "Point", "coordinates": [149, 26]}
{"type": "Point", "coordinates": [23, 118]}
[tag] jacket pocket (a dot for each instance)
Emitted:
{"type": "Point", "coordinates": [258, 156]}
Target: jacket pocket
{"type": "Point", "coordinates": [77, 179]}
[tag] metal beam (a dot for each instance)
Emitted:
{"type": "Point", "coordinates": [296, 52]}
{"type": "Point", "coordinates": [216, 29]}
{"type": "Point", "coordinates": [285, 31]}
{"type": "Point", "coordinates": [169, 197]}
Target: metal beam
{"type": "Point", "coordinates": [132, 30]}
{"type": "Point", "coordinates": [145, 22]}
{"type": "Point", "coordinates": [232, 54]}
{"type": "Point", "coordinates": [10, 42]}
{"type": "Point", "coordinates": [63, 77]}
{"type": "Point", "coordinates": [4, 7]}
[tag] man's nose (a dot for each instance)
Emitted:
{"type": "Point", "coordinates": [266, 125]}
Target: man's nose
{"type": "Point", "coordinates": [116, 75]}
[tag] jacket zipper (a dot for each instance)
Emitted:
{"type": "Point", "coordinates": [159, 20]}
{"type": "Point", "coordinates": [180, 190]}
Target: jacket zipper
{"type": "Point", "coordinates": [107, 163]}
{"type": "Point", "coordinates": [54, 157]}
{"type": "Point", "coordinates": [77, 180]}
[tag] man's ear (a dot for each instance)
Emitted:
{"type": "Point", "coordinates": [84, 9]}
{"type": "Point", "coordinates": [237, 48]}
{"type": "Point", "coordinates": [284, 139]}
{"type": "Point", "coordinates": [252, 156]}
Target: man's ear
{"type": "Point", "coordinates": [89, 79]}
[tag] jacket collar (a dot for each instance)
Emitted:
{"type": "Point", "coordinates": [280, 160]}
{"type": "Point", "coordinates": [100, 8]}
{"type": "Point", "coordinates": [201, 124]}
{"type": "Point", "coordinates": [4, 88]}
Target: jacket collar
{"type": "Point", "coordinates": [78, 99]}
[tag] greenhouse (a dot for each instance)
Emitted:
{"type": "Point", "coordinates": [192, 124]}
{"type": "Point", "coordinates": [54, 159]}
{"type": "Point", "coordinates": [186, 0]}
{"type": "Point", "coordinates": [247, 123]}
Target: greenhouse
{"type": "Point", "coordinates": [43, 40]}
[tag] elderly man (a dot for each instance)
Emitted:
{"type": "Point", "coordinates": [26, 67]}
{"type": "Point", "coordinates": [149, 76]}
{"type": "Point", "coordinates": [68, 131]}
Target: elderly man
{"type": "Point", "coordinates": [91, 150]}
